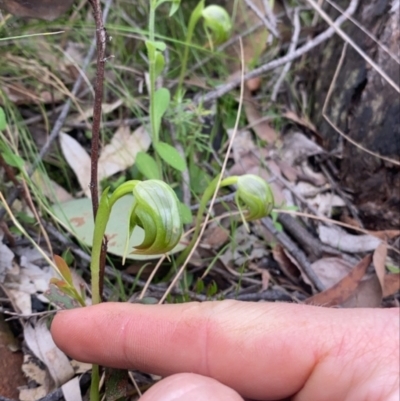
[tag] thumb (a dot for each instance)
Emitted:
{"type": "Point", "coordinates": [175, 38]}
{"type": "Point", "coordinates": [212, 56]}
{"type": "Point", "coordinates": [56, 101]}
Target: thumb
{"type": "Point", "coordinates": [190, 386]}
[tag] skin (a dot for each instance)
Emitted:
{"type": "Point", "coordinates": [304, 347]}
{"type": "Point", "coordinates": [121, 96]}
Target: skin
{"type": "Point", "coordinates": [230, 351]}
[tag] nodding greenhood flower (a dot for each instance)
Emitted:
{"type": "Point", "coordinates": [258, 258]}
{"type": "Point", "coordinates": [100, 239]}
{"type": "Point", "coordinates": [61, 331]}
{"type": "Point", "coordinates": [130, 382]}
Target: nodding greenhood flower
{"type": "Point", "coordinates": [156, 210]}
{"type": "Point", "coordinates": [218, 21]}
{"type": "Point", "coordinates": [254, 195]}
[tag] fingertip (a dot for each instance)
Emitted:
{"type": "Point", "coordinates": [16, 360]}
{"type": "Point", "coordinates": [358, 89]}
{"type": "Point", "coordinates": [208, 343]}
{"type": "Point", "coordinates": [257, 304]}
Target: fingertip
{"type": "Point", "coordinates": [60, 326]}
{"type": "Point", "coordinates": [190, 386]}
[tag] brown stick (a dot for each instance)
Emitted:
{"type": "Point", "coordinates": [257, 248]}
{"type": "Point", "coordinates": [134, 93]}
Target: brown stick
{"type": "Point", "coordinates": [101, 38]}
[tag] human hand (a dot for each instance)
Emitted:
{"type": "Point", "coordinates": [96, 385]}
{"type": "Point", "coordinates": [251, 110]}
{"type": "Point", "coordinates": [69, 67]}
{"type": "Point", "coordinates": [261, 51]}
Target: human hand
{"type": "Point", "coordinates": [223, 351]}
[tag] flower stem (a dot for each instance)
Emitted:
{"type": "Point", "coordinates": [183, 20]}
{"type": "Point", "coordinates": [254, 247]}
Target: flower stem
{"type": "Point", "coordinates": [208, 193]}
{"type": "Point", "coordinates": [196, 14]}
{"type": "Point", "coordinates": [94, 385]}
{"type": "Point", "coordinates": [152, 73]}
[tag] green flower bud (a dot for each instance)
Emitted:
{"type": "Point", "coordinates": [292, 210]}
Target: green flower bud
{"type": "Point", "coordinates": [255, 196]}
{"type": "Point", "coordinates": [156, 210]}
{"type": "Point", "coordinates": [218, 21]}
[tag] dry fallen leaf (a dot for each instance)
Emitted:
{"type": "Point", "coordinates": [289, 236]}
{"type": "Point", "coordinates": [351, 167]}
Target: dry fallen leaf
{"type": "Point", "coordinates": [253, 44]}
{"type": "Point", "coordinates": [297, 147]}
{"type": "Point", "coordinates": [392, 284]}
{"type": "Point", "coordinates": [10, 362]}
{"type": "Point", "coordinates": [72, 390]}
{"type": "Point", "coordinates": [326, 202]}
{"type": "Point", "coordinates": [379, 259]}
{"type": "Point", "coordinates": [6, 259]}
{"type": "Point", "coordinates": [106, 108]}
{"type": "Point", "coordinates": [43, 9]}
{"type": "Point", "coordinates": [117, 156]}
{"type": "Point", "coordinates": [121, 152]}
{"type": "Point", "coordinates": [40, 342]}
{"type": "Point", "coordinates": [344, 289]}
{"type": "Point", "coordinates": [78, 159]}
{"type": "Point", "coordinates": [285, 263]}
{"type": "Point", "coordinates": [260, 126]}
{"type": "Point", "coordinates": [265, 275]}
{"type": "Point", "coordinates": [215, 236]}
{"type": "Point", "coordinates": [50, 189]}
{"type": "Point", "coordinates": [385, 235]}
{"type": "Point", "coordinates": [290, 115]}
{"type": "Point", "coordinates": [331, 270]}
{"type": "Point", "coordinates": [367, 295]}
{"type": "Point", "coordinates": [340, 239]}
{"type": "Point", "coordinates": [35, 374]}
{"type": "Point", "coordinates": [25, 280]}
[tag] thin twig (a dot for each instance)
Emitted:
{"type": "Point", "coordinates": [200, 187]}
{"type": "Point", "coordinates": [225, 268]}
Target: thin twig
{"type": "Point", "coordinates": [101, 38]}
{"type": "Point", "coordinates": [297, 231]}
{"type": "Point", "coordinates": [152, 274]}
{"type": "Point", "coordinates": [110, 124]}
{"type": "Point", "coordinates": [297, 253]}
{"type": "Point", "coordinates": [293, 44]}
{"type": "Point", "coordinates": [267, 295]}
{"type": "Point", "coordinates": [269, 12]}
{"type": "Point", "coordinates": [322, 37]}
{"type": "Point", "coordinates": [264, 20]}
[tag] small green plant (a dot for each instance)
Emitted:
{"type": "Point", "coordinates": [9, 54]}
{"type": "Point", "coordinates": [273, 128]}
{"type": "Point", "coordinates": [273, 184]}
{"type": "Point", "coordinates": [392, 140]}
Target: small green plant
{"type": "Point", "coordinates": [159, 99]}
{"type": "Point", "coordinates": [3, 123]}
{"type": "Point", "coordinates": [217, 25]}
{"type": "Point", "coordinates": [253, 198]}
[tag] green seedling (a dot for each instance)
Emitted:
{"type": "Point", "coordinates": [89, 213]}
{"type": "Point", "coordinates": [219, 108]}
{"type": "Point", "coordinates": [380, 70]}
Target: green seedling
{"type": "Point", "coordinates": [159, 99]}
{"type": "Point", "coordinates": [216, 21]}
{"type": "Point", "coordinates": [3, 122]}
{"type": "Point", "coordinates": [218, 26]}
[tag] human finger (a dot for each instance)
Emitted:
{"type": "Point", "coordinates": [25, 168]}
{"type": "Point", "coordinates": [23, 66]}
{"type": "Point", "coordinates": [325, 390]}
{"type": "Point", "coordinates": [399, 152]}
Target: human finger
{"type": "Point", "coordinates": [190, 386]}
{"type": "Point", "coordinates": [262, 350]}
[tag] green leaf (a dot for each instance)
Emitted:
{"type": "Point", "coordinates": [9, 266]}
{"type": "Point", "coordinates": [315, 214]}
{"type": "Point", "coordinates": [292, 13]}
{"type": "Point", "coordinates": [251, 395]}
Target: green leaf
{"type": "Point", "coordinates": [186, 213]}
{"type": "Point", "coordinates": [60, 298]}
{"type": "Point", "coordinates": [170, 155]}
{"type": "Point", "coordinates": [10, 157]}
{"type": "Point", "coordinates": [174, 7]}
{"type": "Point", "coordinates": [199, 179]}
{"type": "Point", "coordinates": [212, 289]}
{"type": "Point", "coordinates": [162, 98]}
{"type": "Point", "coordinates": [159, 63]}
{"type": "Point", "coordinates": [153, 45]}
{"type": "Point", "coordinates": [64, 269]}
{"type": "Point", "coordinates": [196, 14]}
{"type": "Point", "coordinates": [117, 384]}
{"type": "Point", "coordinates": [3, 123]}
{"type": "Point", "coordinates": [147, 166]}
{"type": "Point", "coordinates": [393, 269]}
